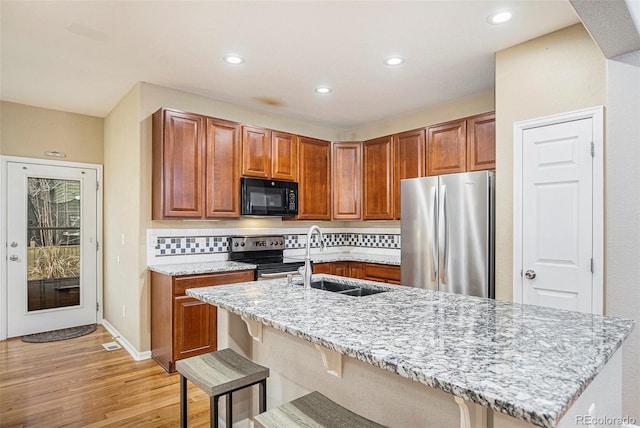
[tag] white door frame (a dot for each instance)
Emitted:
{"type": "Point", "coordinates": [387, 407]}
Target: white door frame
{"type": "Point", "coordinates": [597, 114]}
{"type": "Point", "coordinates": [4, 160]}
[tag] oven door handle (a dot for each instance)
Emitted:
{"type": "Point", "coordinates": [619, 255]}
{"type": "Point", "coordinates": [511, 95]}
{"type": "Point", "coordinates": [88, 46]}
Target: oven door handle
{"type": "Point", "coordinates": [276, 275]}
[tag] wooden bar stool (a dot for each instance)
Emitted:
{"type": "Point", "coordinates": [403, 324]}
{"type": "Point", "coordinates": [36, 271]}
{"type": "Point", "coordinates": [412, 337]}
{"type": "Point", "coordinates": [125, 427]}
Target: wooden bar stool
{"type": "Point", "coordinates": [312, 410]}
{"type": "Point", "coordinates": [220, 373]}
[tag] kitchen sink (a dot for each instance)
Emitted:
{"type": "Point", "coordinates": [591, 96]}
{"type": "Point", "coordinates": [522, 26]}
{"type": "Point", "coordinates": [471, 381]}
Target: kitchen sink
{"type": "Point", "coordinates": [345, 289]}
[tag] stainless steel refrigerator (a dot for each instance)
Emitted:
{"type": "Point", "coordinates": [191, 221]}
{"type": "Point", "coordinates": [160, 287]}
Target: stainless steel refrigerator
{"type": "Point", "coordinates": [447, 231]}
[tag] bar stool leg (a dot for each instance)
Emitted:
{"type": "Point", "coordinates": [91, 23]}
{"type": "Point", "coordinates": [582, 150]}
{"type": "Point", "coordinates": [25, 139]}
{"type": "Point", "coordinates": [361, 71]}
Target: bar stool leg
{"type": "Point", "coordinates": [183, 402]}
{"type": "Point", "coordinates": [214, 411]}
{"type": "Point", "coordinates": [229, 410]}
{"type": "Point", "coordinates": [263, 396]}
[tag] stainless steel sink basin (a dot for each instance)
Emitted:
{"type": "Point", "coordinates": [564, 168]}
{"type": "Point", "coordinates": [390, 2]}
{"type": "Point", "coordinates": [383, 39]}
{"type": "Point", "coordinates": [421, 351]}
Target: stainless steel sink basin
{"type": "Point", "coordinates": [345, 289]}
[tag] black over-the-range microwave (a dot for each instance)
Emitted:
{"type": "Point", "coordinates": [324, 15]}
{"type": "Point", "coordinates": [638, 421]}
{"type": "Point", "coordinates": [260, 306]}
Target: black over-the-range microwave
{"type": "Point", "coordinates": [268, 197]}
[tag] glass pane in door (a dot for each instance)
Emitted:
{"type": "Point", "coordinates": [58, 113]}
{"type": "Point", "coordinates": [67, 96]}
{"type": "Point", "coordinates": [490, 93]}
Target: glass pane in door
{"type": "Point", "coordinates": [53, 237]}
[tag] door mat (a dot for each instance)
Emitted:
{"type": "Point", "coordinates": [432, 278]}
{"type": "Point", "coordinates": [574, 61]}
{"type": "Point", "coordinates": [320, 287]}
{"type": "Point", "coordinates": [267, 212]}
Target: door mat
{"type": "Point", "coordinates": [62, 334]}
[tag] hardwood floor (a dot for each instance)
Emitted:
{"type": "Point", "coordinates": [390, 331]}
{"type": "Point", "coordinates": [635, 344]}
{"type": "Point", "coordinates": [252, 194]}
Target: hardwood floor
{"type": "Point", "coordinates": [76, 383]}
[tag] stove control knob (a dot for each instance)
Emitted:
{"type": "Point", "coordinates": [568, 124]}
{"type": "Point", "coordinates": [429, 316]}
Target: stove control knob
{"type": "Point", "coordinates": [235, 244]}
{"type": "Point", "coordinates": [242, 244]}
{"type": "Point", "coordinates": [281, 242]}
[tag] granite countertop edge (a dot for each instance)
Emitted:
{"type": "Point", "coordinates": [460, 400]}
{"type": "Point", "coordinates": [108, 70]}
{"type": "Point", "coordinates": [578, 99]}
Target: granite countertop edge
{"type": "Point", "coordinates": [177, 269]}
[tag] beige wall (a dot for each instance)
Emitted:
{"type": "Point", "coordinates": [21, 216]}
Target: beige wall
{"type": "Point", "coordinates": [555, 73]}
{"type": "Point", "coordinates": [476, 104]}
{"type": "Point", "coordinates": [28, 131]}
{"type": "Point", "coordinates": [123, 278]}
{"type": "Point", "coordinates": [622, 229]}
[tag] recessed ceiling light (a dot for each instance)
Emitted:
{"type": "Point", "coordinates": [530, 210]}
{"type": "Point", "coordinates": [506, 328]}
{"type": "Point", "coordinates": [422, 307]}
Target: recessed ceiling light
{"type": "Point", "coordinates": [233, 59]}
{"type": "Point", "coordinates": [394, 60]}
{"type": "Point", "coordinates": [500, 17]}
{"type": "Point", "coordinates": [323, 89]}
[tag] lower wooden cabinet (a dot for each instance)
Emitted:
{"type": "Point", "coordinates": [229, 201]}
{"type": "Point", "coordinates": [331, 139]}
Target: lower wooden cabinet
{"type": "Point", "coordinates": [361, 270]}
{"type": "Point", "coordinates": [181, 326]}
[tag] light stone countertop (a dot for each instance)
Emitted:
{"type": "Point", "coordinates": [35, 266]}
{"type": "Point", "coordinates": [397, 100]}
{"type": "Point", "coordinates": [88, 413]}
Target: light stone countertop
{"type": "Point", "coordinates": [529, 362]}
{"type": "Point", "coordinates": [200, 268]}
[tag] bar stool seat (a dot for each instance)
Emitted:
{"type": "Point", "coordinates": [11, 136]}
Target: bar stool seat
{"type": "Point", "coordinates": [312, 410]}
{"type": "Point", "coordinates": [220, 373]}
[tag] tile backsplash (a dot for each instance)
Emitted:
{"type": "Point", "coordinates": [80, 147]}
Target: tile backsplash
{"type": "Point", "coordinates": [197, 245]}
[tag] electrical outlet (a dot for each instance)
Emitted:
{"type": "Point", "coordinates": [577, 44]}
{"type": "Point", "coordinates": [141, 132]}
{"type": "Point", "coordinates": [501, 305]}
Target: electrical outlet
{"type": "Point", "coordinates": [123, 239]}
{"type": "Point", "coordinates": [124, 311]}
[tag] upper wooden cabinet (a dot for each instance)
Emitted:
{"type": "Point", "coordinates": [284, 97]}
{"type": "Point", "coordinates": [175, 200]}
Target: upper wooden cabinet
{"type": "Point", "coordinates": [284, 156]}
{"type": "Point", "coordinates": [410, 150]}
{"type": "Point", "coordinates": [346, 159]}
{"type": "Point", "coordinates": [223, 169]}
{"type": "Point", "coordinates": [178, 165]}
{"type": "Point", "coordinates": [446, 148]}
{"type": "Point", "coordinates": [196, 166]}
{"type": "Point", "coordinates": [481, 142]}
{"type": "Point", "coordinates": [378, 162]}
{"type": "Point", "coordinates": [314, 179]}
{"type": "Point", "coordinates": [256, 152]}
{"type": "Point", "coordinates": [269, 154]}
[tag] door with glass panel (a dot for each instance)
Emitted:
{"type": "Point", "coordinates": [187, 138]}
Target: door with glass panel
{"type": "Point", "coordinates": [51, 247]}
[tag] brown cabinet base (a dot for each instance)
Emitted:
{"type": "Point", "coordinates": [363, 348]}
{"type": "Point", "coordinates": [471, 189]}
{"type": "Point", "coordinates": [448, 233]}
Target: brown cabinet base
{"type": "Point", "coordinates": [361, 270]}
{"type": "Point", "coordinates": [181, 326]}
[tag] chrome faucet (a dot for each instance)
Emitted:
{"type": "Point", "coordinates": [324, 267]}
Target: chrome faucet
{"type": "Point", "coordinates": [307, 260]}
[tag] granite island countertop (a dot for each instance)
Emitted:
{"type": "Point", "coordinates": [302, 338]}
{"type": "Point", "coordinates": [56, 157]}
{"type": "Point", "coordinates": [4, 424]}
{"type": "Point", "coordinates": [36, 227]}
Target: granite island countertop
{"type": "Point", "coordinates": [382, 259]}
{"type": "Point", "coordinates": [529, 362]}
{"type": "Point", "coordinates": [177, 269]}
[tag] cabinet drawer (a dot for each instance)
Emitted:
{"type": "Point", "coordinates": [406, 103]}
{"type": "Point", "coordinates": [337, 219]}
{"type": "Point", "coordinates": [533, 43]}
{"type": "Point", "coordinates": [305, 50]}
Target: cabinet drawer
{"type": "Point", "coordinates": [382, 272]}
{"type": "Point", "coordinates": [183, 283]}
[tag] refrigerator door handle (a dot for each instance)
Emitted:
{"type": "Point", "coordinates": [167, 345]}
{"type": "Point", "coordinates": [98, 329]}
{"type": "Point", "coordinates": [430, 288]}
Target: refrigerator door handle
{"type": "Point", "coordinates": [444, 235]}
{"type": "Point", "coordinates": [434, 241]}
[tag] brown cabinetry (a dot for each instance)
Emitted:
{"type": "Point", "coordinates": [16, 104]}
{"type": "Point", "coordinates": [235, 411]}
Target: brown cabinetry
{"type": "Point", "coordinates": [178, 164]}
{"type": "Point", "coordinates": [182, 326]}
{"type": "Point", "coordinates": [377, 176]}
{"type": "Point", "coordinates": [464, 145]}
{"type": "Point", "coordinates": [314, 175]}
{"type": "Point", "coordinates": [346, 159]}
{"type": "Point", "coordinates": [410, 150]}
{"type": "Point", "coordinates": [446, 148]}
{"type": "Point", "coordinates": [256, 152]}
{"type": "Point", "coordinates": [284, 156]}
{"type": "Point", "coordinates": [361, 270]}
{"type": "Point", "coordinates": [269, 154]}
{"type": "Point", "coordinates": [481, 142]}
{"type": "Point", "coordinates": [195, 166]}
{"type": "Point", "coordinates": [222, 169]}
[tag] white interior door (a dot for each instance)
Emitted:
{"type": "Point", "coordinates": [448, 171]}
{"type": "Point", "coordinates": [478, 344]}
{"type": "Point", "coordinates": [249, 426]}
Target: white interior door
{"type": "Point", "coordinates": [557, 215]}
{"type": "Point", "coordinates": [51, 247]}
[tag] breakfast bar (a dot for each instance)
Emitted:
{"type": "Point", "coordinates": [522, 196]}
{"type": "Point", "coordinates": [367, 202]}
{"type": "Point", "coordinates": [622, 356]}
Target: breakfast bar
{"type": "Point", "coordinates": [523, 365]}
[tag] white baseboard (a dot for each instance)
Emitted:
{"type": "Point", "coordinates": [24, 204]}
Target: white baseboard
{"type": "Point", "coordinates": [137, 355]}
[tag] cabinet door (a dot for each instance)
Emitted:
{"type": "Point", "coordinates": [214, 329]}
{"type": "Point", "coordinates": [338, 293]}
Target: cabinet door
{"type": "Point", "coordinates": [382, 273]}
{"type": "Point", "coordinates": [284, 156]}
{"type": "Point", "coordinates": [481, 142]}
{"type": "Point", "coordinates": [195, 327]}
{"type": "Point", "coordinates": [356, 270]}
{"type": "Point", "coordinates": [223, 169]}
{"type": "Point", "coordinates": [327, 268]}
{"type": "Point", "coordinates": [378, 179]}
{"type": "Point", "coordinates": [410, 150]}
{"type": "Point", "coordinates": [256, 152]}
{"type": "Point", "coordinates": [446, 147]}
{"type": "Point", "coordinates": [314, 175]}
{"type": "Point", "coordinates": [178, 167]}
{"type": "Point", "coordinates": [347, 180]}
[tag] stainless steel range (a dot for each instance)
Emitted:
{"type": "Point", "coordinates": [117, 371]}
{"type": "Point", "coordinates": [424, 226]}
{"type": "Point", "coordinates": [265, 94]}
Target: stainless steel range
{"type": "Point", "coordinates": [267, 252]}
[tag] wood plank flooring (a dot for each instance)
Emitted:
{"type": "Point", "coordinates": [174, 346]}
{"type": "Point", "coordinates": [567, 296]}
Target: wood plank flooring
{"type": "Point", "coordinates": [76, 383]}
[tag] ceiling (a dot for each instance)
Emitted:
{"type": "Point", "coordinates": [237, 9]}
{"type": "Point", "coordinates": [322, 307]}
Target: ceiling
{"type": "Point", "coordinates": [83, 57]}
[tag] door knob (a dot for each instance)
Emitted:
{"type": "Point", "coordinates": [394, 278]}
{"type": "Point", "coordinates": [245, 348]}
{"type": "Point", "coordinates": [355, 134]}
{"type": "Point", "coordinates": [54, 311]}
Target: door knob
{"type": "Point", "coordinates": [13, 257]}
{"type": "Point", "coordinates": [530, 274]}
